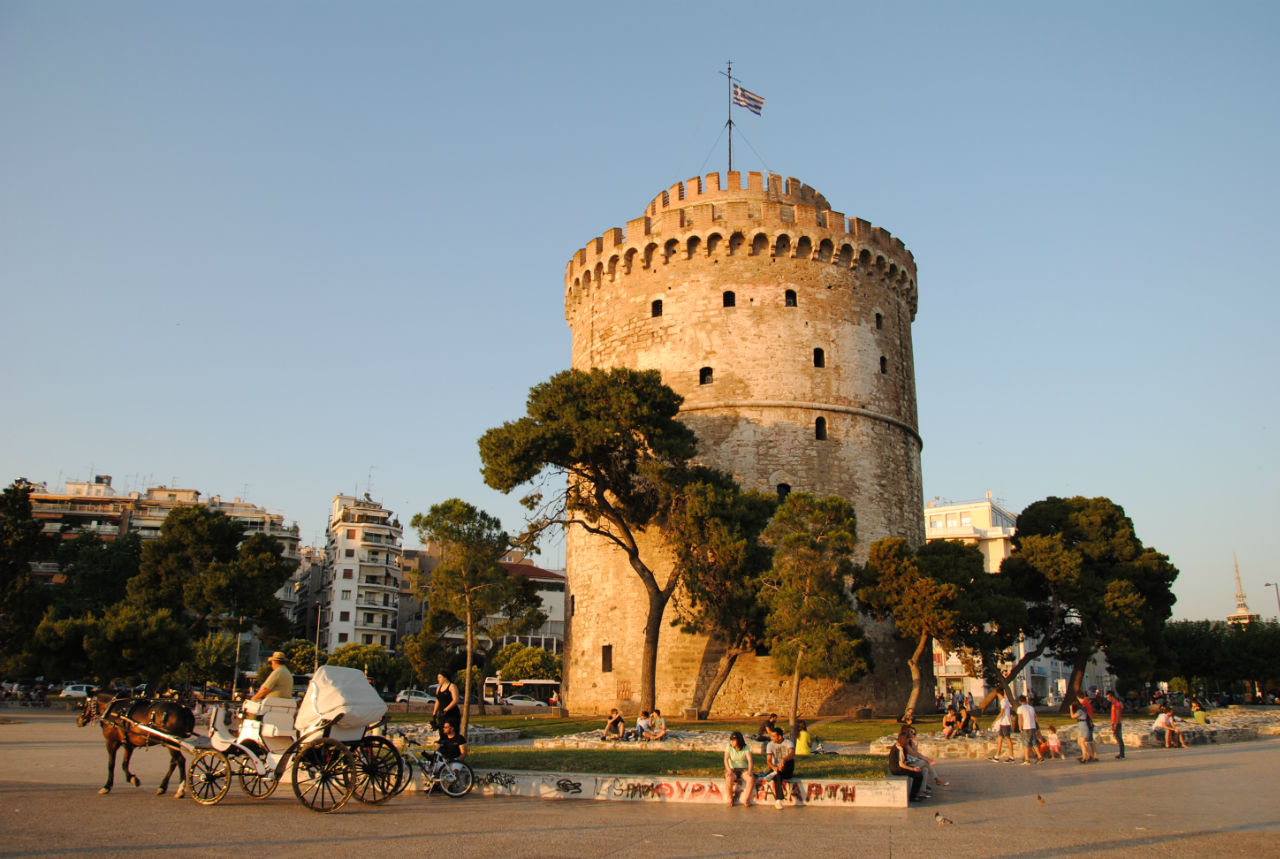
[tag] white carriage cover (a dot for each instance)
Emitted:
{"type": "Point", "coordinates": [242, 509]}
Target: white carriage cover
{"type": "Point", "coordinates": [335, 690]}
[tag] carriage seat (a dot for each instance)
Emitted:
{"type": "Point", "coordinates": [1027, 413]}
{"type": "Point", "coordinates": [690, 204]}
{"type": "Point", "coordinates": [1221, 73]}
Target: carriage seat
{"type": "Point", "coordinates": [276, 715]}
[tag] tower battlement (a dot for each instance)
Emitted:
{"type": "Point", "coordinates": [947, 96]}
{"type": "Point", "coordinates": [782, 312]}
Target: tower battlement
{"type": "Point", "coordinates": [777, 219]}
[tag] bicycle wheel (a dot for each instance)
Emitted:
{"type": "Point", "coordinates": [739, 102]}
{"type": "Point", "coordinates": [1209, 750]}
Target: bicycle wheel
{"type": "Point", "coordinates": [457, 778]}
{"type": "Point", "coordinates": [257, 786]}
{"type": "Point", "coordinates": [208, 776]}
{"type": "Point", "coordinates": [324, 775]}
{"type": "Point", "coordinates": [379, 770]}
{"type": "Point", "coordinates": [407, 778]}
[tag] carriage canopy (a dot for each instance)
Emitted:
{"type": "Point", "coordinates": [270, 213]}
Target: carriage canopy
{"type": "Point", "coordinates": [333, 691]}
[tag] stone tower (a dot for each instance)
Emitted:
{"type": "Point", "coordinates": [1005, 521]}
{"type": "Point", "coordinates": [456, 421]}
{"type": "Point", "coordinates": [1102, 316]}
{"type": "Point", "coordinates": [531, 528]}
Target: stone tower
{"type": "Point", "coordinates": [787, 329]}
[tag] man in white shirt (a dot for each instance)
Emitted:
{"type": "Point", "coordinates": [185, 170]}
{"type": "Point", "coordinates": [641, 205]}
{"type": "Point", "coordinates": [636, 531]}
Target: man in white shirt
{"type": "Point", "coordinates": [1003, 726]}
{"type": "Point", "coordinates": [780, 754]}
{"type": "Point", "coordinates": [1030, 728]}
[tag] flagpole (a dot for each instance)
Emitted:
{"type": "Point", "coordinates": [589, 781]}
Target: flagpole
{"type": "Point", "coordinates": [730, 122]}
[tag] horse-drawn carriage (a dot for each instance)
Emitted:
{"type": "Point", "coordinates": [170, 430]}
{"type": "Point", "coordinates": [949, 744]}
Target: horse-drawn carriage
{"type": "Point", "coordinates": [329, 744]}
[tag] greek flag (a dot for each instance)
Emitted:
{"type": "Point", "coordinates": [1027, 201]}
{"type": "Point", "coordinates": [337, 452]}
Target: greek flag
{"type": "Point", "coordinates": [747, 99]}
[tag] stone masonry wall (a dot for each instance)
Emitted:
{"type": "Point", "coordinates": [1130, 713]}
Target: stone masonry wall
{"type": "Point", "coordinates": [779, 321]}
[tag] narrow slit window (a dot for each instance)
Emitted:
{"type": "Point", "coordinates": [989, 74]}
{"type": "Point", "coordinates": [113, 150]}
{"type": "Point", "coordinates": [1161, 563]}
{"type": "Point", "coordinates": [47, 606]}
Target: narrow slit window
{"type": "Point", "coordinates": [879, 321]}
{"type": "Point", "coordinates": [884, 365]}
{"type": "Point", "coordinates": [730, 299]}
{"type": "Point", "coordinates": [705, 376]}
{"type": "Point", "coordinates": [790, 298]}
{"type": "Point", "coordinates": [819, 358]}
{"type": "Point", "coordinates": [655, 309]}
{"type": "Point", "coordinates": [606, 658]}
{"type": "Point", "coordinates": [820, 429]}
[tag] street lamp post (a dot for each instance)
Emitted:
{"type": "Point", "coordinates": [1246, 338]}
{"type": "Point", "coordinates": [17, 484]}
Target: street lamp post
{"type": "Point", "coordinates": [1277, 590]}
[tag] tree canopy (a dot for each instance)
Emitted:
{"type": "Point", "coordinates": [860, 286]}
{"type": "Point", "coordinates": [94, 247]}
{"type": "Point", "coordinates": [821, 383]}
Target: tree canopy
{"type": "Point", "coordinates": [811, 625]}
{"type": "Point", "coordinates": [470, 590]}
{"type": "Point", "coordinates": [613, 437]}
{"type": "Point", "coordinates": [1092, 585]}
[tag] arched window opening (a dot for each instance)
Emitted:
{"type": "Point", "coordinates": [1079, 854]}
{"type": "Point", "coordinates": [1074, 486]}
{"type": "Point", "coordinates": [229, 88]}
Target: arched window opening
{"type": "Point", "coordinates": [691, 247]}
{"type": "Point", "coordinates": [613, 267]}
{"type": "Point", "coordinates": [820, 429]}
{"type": "Point", "coordinates": [782, 247]}
{"type": "Point", "coordinates": [649, 250]}
{"type": "Point", "coordinates": [790, 298]}
{"type": "Point", "coordinates": [704, 376]}
{"type": "Point", "coordinates": [884, 365]}
{"type": "Point", "coordinates": [730, 299]}
{"type": "Point", "coordinates": [628, 261]}
{"type": "Point", "coordinates": [655, 309]}
{"type": "Point", "coordinates": [819, 358]}
{"type": "Point", "coordinates": [864, 257]}
{"type": "Point", "coordinates": [804, 248]}
{"type": "Point", "coordinates": [760, 244]}
{"type": "Point", "coordinates": [826, 250]}
{"type": "Point", "coordinates": [846, 255]}
{"type": "Point", "coordinates": [736, 241]}
{"type": "Point", "coordinates": [713, 243]}
{"type": "Point", "coordinates": [784, 489]}
{"type": "Point", "coordinates": [669, 250]}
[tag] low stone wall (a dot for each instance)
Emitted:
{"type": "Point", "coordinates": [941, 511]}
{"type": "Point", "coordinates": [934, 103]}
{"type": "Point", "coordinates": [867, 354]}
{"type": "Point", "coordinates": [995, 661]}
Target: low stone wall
{"type": "Point", "coordinates": [822, 793]}
{"type": "Point", "coordinates": [683, 741]}
{"type": "Point", "coordinates": [423, 733]}
{"type": "Point", "coordinates": [1225, 726]}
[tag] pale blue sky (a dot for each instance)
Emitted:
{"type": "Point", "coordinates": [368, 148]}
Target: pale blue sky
{"type": "Point", "coordinates": [260, 247]}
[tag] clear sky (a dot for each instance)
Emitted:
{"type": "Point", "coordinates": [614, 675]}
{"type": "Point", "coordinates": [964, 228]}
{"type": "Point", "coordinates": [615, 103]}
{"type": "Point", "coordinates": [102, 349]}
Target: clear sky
{"type": "Point", "coordinates": [283, 250]}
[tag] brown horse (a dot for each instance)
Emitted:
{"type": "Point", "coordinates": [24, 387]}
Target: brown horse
{"type": "Point", "coordinates": [122, 719]}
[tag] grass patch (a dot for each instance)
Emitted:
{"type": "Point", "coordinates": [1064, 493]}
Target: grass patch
{"type": "Point", "coordinates": [660, 762]}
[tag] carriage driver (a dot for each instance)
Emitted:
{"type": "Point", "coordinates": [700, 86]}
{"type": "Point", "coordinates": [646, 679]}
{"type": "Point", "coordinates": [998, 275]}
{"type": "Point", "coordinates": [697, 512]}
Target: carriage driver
{"type": "Point", "coordinates": [279, 683]}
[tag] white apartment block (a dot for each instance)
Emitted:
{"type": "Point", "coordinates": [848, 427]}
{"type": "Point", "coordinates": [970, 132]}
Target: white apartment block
{"type": "Point", "coordinates": [990, 527]}
{"type": "Point", "coordinates": [361, 593]}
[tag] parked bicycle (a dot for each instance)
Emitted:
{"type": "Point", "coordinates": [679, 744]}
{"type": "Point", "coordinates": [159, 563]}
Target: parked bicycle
{"type": "Point", "coordinates": [455, 777]}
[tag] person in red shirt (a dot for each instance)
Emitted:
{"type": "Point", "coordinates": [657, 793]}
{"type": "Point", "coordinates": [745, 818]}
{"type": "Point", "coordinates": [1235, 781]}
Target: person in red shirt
{"type": "Point", "coordinates": [1117, 722]}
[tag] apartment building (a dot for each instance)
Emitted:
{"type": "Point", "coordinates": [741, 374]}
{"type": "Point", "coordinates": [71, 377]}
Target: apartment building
{"type": "Point", "coordinates": [361, 591]}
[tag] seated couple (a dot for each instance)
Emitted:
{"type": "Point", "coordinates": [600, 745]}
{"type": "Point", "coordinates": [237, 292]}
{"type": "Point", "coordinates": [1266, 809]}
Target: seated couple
{"type": "Point", "coordinates": [650, 726]}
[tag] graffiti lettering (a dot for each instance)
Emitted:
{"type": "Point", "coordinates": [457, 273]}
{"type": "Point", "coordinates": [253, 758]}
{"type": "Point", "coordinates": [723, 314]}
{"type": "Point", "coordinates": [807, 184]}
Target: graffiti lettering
{"type": "Point", "coordinates": [501, 779]}
{"type": "Point", "coordinates": [643, 790]}
{"type": "Point", "coordinates": [564, 785]}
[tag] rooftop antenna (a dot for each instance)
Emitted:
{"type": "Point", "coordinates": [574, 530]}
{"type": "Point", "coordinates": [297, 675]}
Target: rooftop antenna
{"type": "Point", "coordinates": [368, 484]}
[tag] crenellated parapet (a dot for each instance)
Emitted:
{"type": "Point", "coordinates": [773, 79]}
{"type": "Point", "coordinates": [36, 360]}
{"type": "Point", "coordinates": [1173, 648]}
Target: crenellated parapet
{"type": "Point", "coordinates": [702, 219]}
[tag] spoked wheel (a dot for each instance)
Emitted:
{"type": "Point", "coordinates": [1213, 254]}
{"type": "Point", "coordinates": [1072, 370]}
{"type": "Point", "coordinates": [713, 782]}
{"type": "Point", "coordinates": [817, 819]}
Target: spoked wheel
{"type": "Point", "coordinates": [379, 770]}
{"type": "Point", "coordinates": [209, 776]}
{"type": "Point", "coordinates": [457, 779]}
{"type": "Point", "coordinates": [324, 775]}
{"type": "Point", "coordinates": [257, 786]}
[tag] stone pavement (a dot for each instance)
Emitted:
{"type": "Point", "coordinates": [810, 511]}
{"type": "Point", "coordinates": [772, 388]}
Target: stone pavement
{"type": "Point", "coordinates": [1207, 798]}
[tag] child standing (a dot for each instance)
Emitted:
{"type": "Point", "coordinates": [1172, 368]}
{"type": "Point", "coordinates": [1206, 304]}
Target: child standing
{"type": "Point", "coordinates": [1055, 744]}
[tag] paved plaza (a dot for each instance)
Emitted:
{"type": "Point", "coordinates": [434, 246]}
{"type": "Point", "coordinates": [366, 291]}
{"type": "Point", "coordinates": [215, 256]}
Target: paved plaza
{"type": "Point", "coordinates": [1207, 799]}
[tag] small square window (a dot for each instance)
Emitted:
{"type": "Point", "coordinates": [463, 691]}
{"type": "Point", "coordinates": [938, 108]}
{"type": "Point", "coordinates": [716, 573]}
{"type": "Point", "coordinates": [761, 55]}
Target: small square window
{"type": "Point", "coordinates": [344, 616]}
{"type": "Point", "coordinates": [346, 574]}
{"type": "Point", "coordinates": [342, 638]}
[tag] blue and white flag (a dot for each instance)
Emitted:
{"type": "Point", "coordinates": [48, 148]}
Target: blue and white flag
{"type": "Point", "coordinates": [747, 99]}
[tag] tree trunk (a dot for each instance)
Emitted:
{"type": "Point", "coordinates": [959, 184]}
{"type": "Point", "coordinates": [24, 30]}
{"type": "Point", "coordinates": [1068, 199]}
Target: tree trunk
{"type": "Point", "coordinates": [466, 682]}
{"type": "Point", "coordinates": [913, 663]}
{"type": "Point", "coordinates": [795, 693]}
{"type": "Point", "coordinates": [727, 662]}
{"type": "Point", "coordinates": [649, 656]}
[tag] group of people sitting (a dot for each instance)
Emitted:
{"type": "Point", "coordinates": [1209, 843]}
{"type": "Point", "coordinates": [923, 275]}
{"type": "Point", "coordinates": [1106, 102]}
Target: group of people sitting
{"type": "Point", "coordinates": [780, 757]}
{"type": "Point", "coordinates": [649, 726]}
{"type": "Point", "coordinates": [906, 759]}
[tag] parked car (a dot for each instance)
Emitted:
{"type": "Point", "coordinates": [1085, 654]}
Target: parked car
{"type": "Point", "coordinates": [414, 696]}
{"type": "Point", "coordinates": [524, 701]}
{"type": "Point", "coordinates": [77, 690]}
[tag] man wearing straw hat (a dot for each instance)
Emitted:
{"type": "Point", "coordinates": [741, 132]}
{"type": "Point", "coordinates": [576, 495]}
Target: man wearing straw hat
{"type": "Point", "coordinates": [279, 683]}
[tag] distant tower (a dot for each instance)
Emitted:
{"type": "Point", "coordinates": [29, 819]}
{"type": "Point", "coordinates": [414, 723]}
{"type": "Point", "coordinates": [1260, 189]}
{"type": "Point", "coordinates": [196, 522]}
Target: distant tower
{"type": "Point", "coordinates": [1241, 615]}
{"type": "Point", "coordinates": [786, 327]}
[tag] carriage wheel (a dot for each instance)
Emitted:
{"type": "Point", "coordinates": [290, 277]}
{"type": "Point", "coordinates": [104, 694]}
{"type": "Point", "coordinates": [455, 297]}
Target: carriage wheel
{"type": "Point", "coordinates": [255, 785]}
{"type": "Point", "coordinates": [379, 770]}
{"type": "Point", "coordinates": [209, 776]}
{"type": "Point", "coordinates": [457, 779]}
{"type": "Point", "coordinates": [324, 775]}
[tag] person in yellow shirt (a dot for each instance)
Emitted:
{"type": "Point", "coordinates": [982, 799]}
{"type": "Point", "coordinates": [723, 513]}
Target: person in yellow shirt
{"type": "Point", "coordinates": [804, 742]}
{"type": "Point", "coordinates": [279, 683]}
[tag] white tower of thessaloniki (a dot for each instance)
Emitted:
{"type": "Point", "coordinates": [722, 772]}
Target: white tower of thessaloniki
{"type": "Point", "coordinates": [786, 327]}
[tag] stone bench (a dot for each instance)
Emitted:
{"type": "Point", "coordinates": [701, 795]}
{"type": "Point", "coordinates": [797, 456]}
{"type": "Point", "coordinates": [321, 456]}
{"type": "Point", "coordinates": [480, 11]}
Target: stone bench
{"type": "Point", "coordinates": [704, 790]}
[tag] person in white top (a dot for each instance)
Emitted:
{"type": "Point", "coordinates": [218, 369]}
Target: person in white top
{"type": "Point", "coordinates": [1030, 728]}
{"type": "Point", "coordinates": [1003, 726]}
